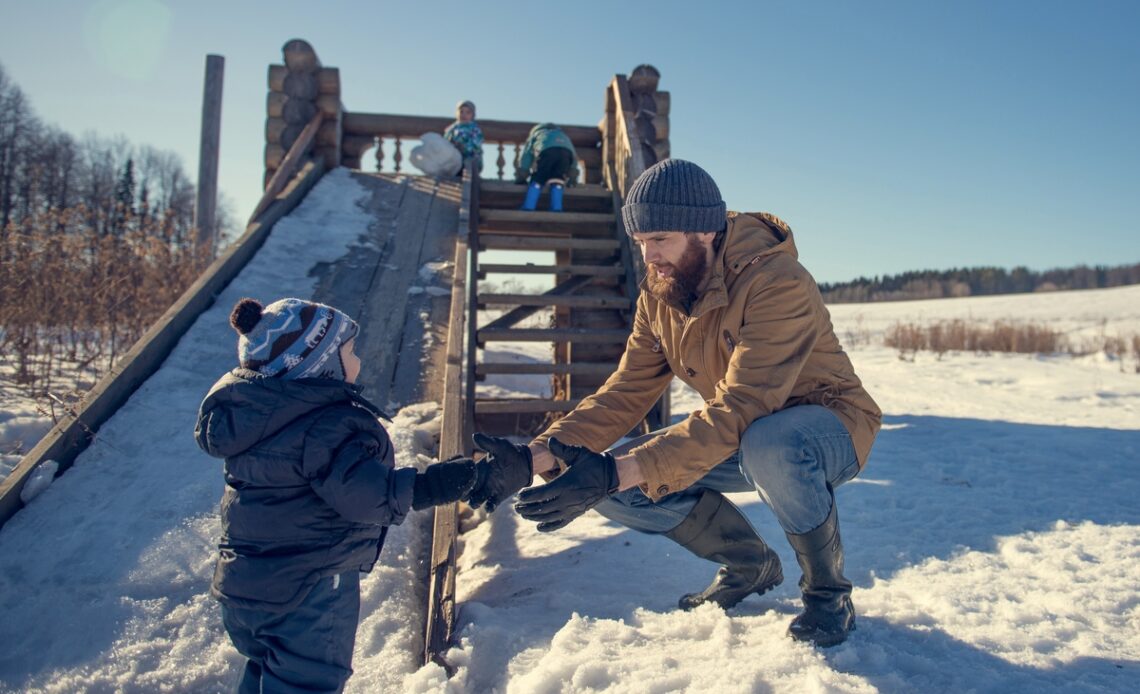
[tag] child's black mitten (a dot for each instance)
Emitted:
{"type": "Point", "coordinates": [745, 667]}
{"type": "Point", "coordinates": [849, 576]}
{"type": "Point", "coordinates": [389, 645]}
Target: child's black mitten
{"type": "Point", "coordinates": [443, 483]}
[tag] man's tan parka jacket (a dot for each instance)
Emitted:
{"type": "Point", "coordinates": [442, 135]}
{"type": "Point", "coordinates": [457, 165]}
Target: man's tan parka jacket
{"type": "Point", "coordinates": [758, 340]}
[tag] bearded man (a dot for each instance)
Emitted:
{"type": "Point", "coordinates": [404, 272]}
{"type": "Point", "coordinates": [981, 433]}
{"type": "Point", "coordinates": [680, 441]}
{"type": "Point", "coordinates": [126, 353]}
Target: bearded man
{"type": "Point", "coordinates": [727, 308]}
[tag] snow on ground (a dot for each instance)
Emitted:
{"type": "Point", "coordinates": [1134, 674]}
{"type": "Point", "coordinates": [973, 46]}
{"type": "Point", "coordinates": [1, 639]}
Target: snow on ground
{"type": "Point", "coordinates": [992, 540]}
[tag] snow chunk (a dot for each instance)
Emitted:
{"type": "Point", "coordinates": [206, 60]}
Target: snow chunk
{"type": "Point", "coordinates": [39, 480]}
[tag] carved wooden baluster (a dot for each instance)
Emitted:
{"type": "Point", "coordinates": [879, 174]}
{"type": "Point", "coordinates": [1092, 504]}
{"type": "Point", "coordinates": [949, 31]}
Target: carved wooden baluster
{"type": "Point", "coordinates": [397, 157]}
{"type": "Point", "coordinates": [518, 156]}
{"type": "Point", "coordinates": [379, 153]}
{"type": "Point", "coordinates": [500, 162]}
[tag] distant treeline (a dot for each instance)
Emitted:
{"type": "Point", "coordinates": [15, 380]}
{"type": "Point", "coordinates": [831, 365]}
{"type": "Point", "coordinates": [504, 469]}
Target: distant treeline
{"type": "Point", "coordinates": [97, 239]}
{"type": "Point", "coordinates": [978, 281]}
{"type": "Point", "coordinates": [43, 168]}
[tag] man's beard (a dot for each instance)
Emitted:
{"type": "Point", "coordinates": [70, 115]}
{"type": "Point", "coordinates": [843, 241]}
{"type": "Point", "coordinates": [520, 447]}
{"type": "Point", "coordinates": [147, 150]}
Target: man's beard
{"type": "Point", "coordinates": [680, 287]}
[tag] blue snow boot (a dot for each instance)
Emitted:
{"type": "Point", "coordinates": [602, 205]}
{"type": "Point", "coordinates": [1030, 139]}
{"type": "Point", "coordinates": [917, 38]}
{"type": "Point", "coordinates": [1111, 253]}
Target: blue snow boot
{"type": "Point", "coordinates": [532, 193]}
{"type": "Point", "coordinates": [556, 197]}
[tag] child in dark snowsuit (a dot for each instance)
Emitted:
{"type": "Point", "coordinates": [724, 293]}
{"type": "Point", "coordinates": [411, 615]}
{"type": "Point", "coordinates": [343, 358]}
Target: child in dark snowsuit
{"type": "Point", "coordinates": [548, 156]}
{"type": "Point", "coordinates": [311, 486]}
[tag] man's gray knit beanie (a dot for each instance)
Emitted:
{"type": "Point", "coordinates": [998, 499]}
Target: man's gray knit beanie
{"type": "Point", "coordinates": [673, 195]}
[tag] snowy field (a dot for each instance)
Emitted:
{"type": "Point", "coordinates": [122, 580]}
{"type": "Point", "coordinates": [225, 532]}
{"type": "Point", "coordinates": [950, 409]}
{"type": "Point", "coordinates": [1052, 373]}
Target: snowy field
{"type": "Point", "coordinates": [992, 540]}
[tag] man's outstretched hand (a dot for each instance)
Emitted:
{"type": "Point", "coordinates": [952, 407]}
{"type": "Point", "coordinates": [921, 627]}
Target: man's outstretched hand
{"type": "Point", "coordinates": [507, 469]}
{"type": "Point", "coordinates": [590, 478]}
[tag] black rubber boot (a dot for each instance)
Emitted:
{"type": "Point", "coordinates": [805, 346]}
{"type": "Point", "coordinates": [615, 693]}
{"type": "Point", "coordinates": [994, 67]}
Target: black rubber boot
{"type": "Point", "coordinates": [828, 614]}
{"type": "Point", "coordinates": [716, 530]}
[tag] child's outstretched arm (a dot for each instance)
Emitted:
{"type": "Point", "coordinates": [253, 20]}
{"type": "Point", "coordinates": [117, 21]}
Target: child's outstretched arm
{"type": "Point", "coordinates": [443, 483]}
{"type": "Point", "coordinates": [359, 479]}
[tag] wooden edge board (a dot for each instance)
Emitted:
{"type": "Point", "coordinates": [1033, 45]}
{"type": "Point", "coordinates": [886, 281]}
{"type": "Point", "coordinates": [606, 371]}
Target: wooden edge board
{"type": "Point", "coordinates": [440, 613]}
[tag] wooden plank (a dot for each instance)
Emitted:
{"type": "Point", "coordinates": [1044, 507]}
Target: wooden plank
{"type": "Point", "coordinates": [516, 368]}
{"type": "Point", "coordinates": [531, 269]}
{"type": "Point", "coordinates": [288, 166]}
{"type": "Point", "coordinates": [523, 406]}
{"type": "Point", "coordinates": [440, 614]}
{"type": "Point", "coordinates": [408, 126]}
{"type": "Point", "coordinates": [68, 438]}
{"type": "Point", "coordinates": [570, 301]}
{"type": "Point", "coordinates": [528, 243]}
{"type": "Point", "coordinates": [491, 188]}
{"type": "Point", "coordinates": [579, 335]}
{"type": "Point", "coordinates": [581, 198]}
{"type": "Point", "coordinates": [546, 223]}
{"type": "Point", "coordinates": [387, 302]}
{"type": "Point", "coordinates": [490, 218]}
{"type": "Point", "coordinates": [438, 231]}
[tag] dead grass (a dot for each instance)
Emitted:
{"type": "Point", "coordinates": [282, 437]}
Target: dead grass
{"type": "Point", "coordinates": [1006, 336]}
{"type": "Point", "coordinates": [73, 301]}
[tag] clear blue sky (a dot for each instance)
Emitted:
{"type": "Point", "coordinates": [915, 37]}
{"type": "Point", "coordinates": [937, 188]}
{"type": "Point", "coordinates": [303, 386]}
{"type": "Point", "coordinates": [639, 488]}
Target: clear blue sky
{"type": "Point", "coordinates": [892, 135]}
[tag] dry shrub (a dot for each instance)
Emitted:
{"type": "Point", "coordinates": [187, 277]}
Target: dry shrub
{"type": "Point", "coordinates": [958, 335]}
{"type": "Point", "coordinates": [71, 298]}
{"type": "Point", "coordinates": [1004, 336]}
{"type": "Point", "coordinates": [858, 334]}
{"type": "Point", "coordinates": [907, 338]}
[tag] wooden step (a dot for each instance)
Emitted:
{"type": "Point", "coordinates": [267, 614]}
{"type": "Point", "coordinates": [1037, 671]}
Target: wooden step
{"type": "Point", "coordinates": [568, 301]}
{"type": "Point", "coordinates": [509, 196]}
{"type": "Point", "coordinates": [532, 269]}
{"type": "Point", "coordinates": [520, 406]}
{"type": "Point", "coordinates": [578, 368]}
{"type": "Point", "coordinates": [546, 222]}
{"type": "Point", "coordinates": [576, 335]}
{"type": "Point", "coordinates": [529, 243]}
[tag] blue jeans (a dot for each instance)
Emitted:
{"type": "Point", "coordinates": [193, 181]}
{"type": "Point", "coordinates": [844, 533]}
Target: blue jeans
{"type": "Point", "coordinates": [790, 457]}
{"type": "Point", "coordinates": [308, 649]}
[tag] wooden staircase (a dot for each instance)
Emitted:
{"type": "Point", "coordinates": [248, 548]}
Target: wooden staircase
{"type": "Point", "coordinates": [589, 305]}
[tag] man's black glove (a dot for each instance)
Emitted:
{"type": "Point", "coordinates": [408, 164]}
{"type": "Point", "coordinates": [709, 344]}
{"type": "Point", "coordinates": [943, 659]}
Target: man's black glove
{"type": "Point", "coordinates": [443, 483]}
{"type": "Point", "coordinates": [590, 478]}
{"type": "Point", "coordinates": [507, 469]}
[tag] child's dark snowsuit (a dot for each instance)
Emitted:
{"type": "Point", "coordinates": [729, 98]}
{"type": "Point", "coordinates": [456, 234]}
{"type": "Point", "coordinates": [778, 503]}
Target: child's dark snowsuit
{"type": "Point", "coordinates": [310, 489]}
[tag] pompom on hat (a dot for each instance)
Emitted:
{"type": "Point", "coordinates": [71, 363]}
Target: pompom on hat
{"type": "Point", "coordinates": [673, 195]}
{"type": "Point", "coordinates": [292, 338]}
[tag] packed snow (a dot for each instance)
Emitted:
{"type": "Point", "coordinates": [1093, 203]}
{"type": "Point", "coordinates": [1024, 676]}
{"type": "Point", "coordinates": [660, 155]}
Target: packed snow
{"type": "Point", "coordinates": [992, 539]}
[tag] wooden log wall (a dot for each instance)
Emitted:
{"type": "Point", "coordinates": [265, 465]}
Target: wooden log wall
{"type": "Point", "coordinates": [635, 127]}
{"type": "Point", "coordinates": [298, 91]}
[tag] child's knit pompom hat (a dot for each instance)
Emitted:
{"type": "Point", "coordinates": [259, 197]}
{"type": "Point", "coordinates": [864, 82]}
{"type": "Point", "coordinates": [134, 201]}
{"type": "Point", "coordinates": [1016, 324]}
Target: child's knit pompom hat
{"type": "Point", "coordinates": [291, 338]}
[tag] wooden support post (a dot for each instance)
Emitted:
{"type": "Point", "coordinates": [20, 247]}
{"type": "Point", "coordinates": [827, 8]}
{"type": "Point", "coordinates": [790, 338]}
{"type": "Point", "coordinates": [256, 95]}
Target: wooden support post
{"type": "Point", "coordinates": [205, 210]}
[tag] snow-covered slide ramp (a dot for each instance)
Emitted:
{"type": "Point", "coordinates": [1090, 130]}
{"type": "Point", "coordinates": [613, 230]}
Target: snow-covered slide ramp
{"type": "Point", "coordinates": [104, 575]}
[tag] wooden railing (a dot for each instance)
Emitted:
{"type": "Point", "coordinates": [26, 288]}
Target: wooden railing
{"type": "Point", "coordinates": [363, 131]}
{"type": "Point", "coordinates": [455, 434]}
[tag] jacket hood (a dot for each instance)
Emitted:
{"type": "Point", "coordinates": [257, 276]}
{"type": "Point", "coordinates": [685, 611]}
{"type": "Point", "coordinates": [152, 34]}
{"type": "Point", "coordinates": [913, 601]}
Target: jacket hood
{"type": "Point", "coordinates": [245, 407]}
{"type": "Point", "coordinates": [751, 236]}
